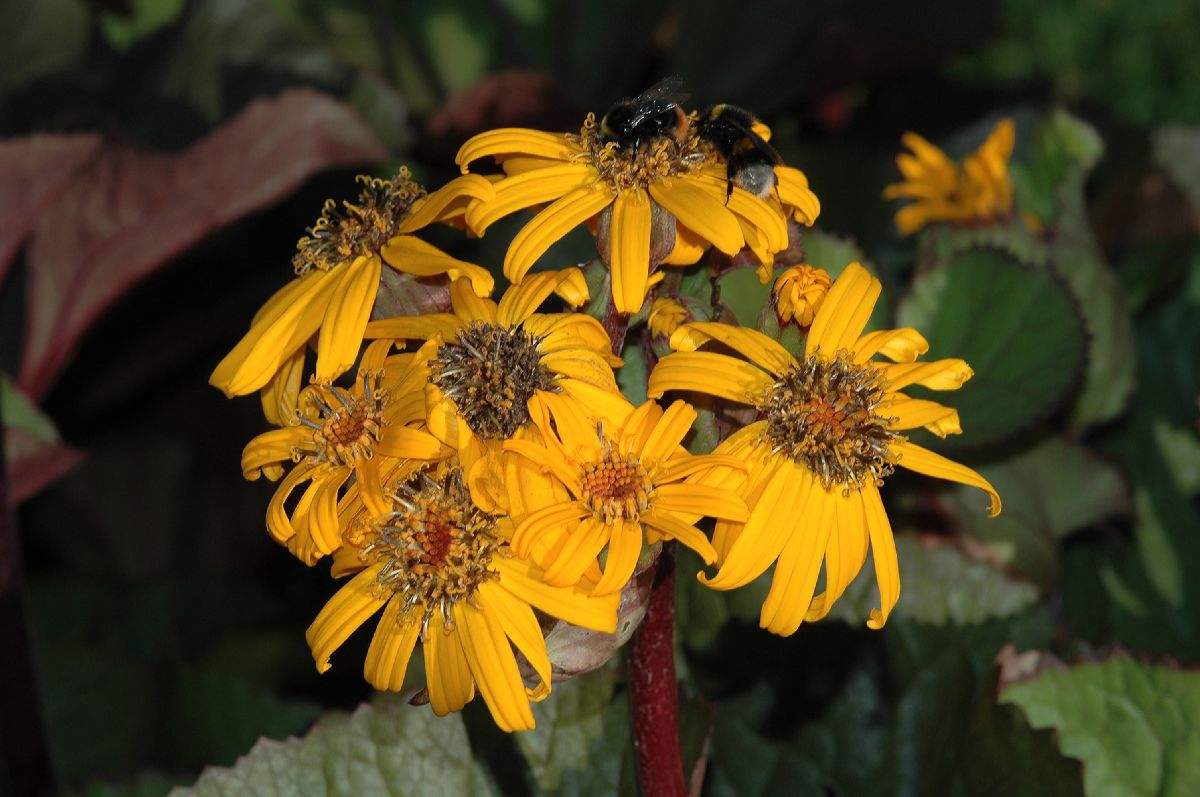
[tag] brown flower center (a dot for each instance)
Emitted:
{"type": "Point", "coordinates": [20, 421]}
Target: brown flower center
{"type": "Point", "coordinates": [490, 374]}
{"type": "Point", "coordinates": [436, 545]}
{"type": "Point", "coordinates": [348, 426]}
{"type": "Point", "coordinates": [823, 414]}
{"type": "Point", "coordinates": [342, 234]}
{"type": "Point", "coordinates": [624, 168]}
{"type": "Point", "coordinates": [615, 488]}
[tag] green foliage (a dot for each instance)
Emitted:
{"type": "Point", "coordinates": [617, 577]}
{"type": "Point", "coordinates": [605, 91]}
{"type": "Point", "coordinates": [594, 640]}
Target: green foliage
{"type": "Point", "coordinates": [1130, 723]}
{"type": "Point", "coordinates": [44, 36]}
{"type": "Point", "coordinates": [389, 749]}
{"type": "Point", "coordinates": [1138, 59]}
{"type": "Point", "coordinates": [1018, 328]}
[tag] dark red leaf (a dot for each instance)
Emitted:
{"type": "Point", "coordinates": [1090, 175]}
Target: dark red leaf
{"type": "Point", "coordinates": [126, 212]}
{"type": "Point", "coordinates": [34, 169]}
{"type": "Point", "coordinates": [34, 463]}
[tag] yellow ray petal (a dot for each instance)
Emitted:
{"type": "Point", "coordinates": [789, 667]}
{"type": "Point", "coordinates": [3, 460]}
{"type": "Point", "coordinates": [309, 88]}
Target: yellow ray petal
{"type": "Point", "coordinates": [761, 216]}
{"type": "Point", "coordinates": [271, 447]}
{"type": "Point", "coordinates": [418, 327]}
{"type": "Point", "coordinates": [799, 565]}
{"type": "Point", "coordinates": [447, 672]}
{"type": "Point", "coordinates": [322, 517]}
{"type": "Point", "coordinates": [513, 140]}
{"type": "Point", "coordinates": [698, 499]}
{"type": "Point", "coordinates": [350, 607]}
{"type": "Point", "coordinates": [844, 312]}
{"type": "Point", "coordinates": [552, 518]}
{"type": "Point", "coordinates": [844, 554]}
{"type": "Point", "coordinates": [491, 660]}
{"type": "Point", "coordinates": [666, 435]}
{"type": "Point", "coordinates": [883, 553]}
{"type": "Point", "coordinates": [548, 460]}
{"type": "Point", "coordinates": [687, 534]}
{"type": "Point", "coordinates": [624, 548]}
{"type": "Point", "coordinates": [683, 467]}
{"type": "Point", "coordinates": [629, 250]}
{"type": "Point", "coordinates": [521, 626]}
{"type": "Point", "coordinates": [949, 374]}
{"type": "Point", "coordinates": [903, 345]}
{"type": "Point", "coordinates": [793, 191]}
{"type": "Point", "coordinates": [697, 210]}
{"type": "Point", "coordinates": [909, 413]}
{"type": "Point", "coordinates": [689, 248]}
{"type": "Point", "coordinates": [922, 460]}
{"type": "Point", "coordinates": [578, 552]}
{"type": "Point", "coordinates": [402, 442]}
{"type": "Point", "coordinates": [564, 215]}
{"type": "Point", "coordinates": [391, 648]}
{"type": "Point", "coordinates": [369, 484]}
{"type": "Point", "coordinates": [529, 189]}
{"type": "Point", "coordinates": [573, 604]}
{"type": "Point", "coordinates": [583, 365]}
{"type": "Point", "coordinates": [576, 428]}
{"type": "Point", "coordinates": [274, 337]}
{"type": "Point", "coordinates": [521, 301]}
{"type": "Point", "coordinates": [469, 305]}
{"type": "Point", "coordinates": [280, 394]}
{"type": "Point", "coordinates": [346, 318]}
{"type": "Point", "coordinates": [775, 514]}
{"type": "Point", "coordinates": [756, 346]}
{"type": "Point", "coordinates": [411, 255]}
{"type": "Point", "coordinates": [704, 372]}
{"type": "Point", "coordinates": [278, 524]}
{"type": "Point", "coordinates": [640, 425]}
{"type": "Point", "coordinates": [602, 403]}
{"type": "Point", "coordinates": [446, 201]}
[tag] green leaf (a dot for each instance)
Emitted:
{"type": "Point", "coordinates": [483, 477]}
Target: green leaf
{"type": "Point", "coordinates": [393, 749]}
{"type": "Point", "coordinates": [1049, 491]}
{"type": "Point", "coordinates": [137, 20]}
{"type": "Point", "coordinates": [20, 413]}
{"type": "Point", "coordinates": [940, 586]}
{"type": "Point", "coordinates": [1130, 723]}
{"type": "Point", "coordinates": [632, 376]}
{"type": "Point", "coordinates": [744, 294]}
{"type": "Point", "coordinates": [570, 730]}
{"type": "Point", "coordinates": [44, 36]}
{"type": "Point", "coordinates": [832, 252]}
{"type": "Point", "coordinates": [1017, 327]}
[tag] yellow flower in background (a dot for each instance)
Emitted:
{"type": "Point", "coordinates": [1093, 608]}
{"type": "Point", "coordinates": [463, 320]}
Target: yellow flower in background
{"type": "Point", "coordinates": [665, 316]}
{"type": "Point", "coordinates": [337, 269]}
{"type": "Point", "coordinates": [440, 569]}
{"type": "Point", "coordinates": [365, 432]}
{"type": "Point", "coordinates": [799, 292]}
{"type": "Point", "coordinates": [622, 480]}
{"type": "Point", "coordinates": [583, 175]}
{"type": "Point", "coordinates": [829, 431]}
{"type": "Point", "coordinates": [488, 368]}
{"type": "Point", "coordinates": [977, 191]}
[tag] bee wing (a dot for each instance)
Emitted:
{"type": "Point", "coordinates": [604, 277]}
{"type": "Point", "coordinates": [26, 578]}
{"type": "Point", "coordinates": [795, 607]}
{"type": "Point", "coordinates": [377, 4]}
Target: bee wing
{"type": "Point", "coordinates": [760, 143]}
{"type": "Point", "coordinates": [669, 89]}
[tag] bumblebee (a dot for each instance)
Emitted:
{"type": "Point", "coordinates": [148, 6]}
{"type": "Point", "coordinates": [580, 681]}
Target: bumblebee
{"type": "Point", "coordinates": [634, 123]}
{"type": "Point", "coordinates": [749, 160]}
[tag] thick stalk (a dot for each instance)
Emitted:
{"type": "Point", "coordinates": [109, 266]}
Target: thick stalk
{"type": "Point", "coordinates": [653, 689]}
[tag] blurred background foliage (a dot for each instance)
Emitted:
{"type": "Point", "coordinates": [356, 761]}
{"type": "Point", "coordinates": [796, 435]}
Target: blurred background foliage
{"type": "Point", "coordinates": [159, 160]}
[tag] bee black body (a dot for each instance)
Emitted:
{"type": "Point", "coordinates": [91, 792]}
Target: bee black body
{"type": "Point", "coordinates": [634, 123]}
{"type": "Point", "coordinates": [750, 160]}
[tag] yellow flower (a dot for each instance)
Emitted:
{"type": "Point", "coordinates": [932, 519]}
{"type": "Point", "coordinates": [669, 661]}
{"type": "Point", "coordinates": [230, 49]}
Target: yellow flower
{"type": "Point", "coordinates": [364, 431]}
{"type": "Point", "coordinates": [799, 292]}
{"type": "Point", "coordinates": [488, 370]}
{"type": "Point", "coordinates": [621, 480]}
{"type": "Point", "coordinates": [337, 277]}
{"type": "Point", "coordinates": [440, 569]}
{"type": "Point", "coordinates": [582, 176]}
{"type": "Point", "coordinates": [665, 316]}
{"type": "Point", "coordinates": [829, 430]}
{"type": "Point", "coordinates": [978, 191]}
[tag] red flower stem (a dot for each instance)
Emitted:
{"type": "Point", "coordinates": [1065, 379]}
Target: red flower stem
{"type": "Point", "coordinates": [616, 325]}
{"type": "Point", "coordinates": [653, 690]}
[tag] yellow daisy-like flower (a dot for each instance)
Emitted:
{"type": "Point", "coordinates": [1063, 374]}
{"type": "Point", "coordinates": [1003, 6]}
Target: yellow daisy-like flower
{"type": "Point", "coordinates": [829, 430]}
{"type": "Point", "coordinates": [665, 316]}
{"type": "Point", "coordinates": [364, 432]}
{"type": "Point", "coordinates": [622, 481]}
{"type": "Point", "coordinates": [977, 191]}
{"type": "Point", "coordinates": [488, 368]}
{"type": "Point", "coordinates": [337, 278]}
{"type": "Point", "coordinates": [799, 292]}
{"type": "Point", "coordinates": [582, 177]}
{"type": "Point", "coordinates": [440, 569]}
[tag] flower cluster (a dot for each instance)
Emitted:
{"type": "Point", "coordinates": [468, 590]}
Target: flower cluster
{"type": "Point", "coordinates": [483, 465]}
